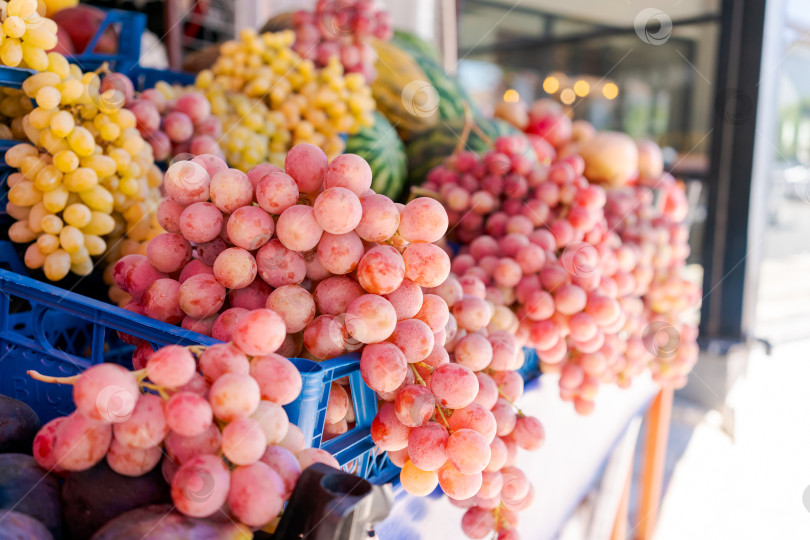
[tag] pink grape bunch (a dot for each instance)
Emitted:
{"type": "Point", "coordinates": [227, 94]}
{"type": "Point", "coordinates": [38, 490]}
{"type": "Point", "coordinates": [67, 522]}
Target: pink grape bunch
{"type": "Point", "coordinates": [211, 418]}
{"type": "Point", "coordinates": [450, 419]}
{"type": "Point", "coordinates": [538, 237]}
{"type": "Point", "coordinates": [651, 217]}
{"type": "Point", "coordinates": [175, 120]}
{"type": "Point", "coordinates": [313, 242]}
{"type": "Point", "coordinates": [342, 29]}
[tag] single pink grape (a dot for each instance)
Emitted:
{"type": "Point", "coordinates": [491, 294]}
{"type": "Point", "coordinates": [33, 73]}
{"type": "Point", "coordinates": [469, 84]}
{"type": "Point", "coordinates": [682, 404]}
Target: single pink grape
{"type": "Point", "coordinates": [275, 192]}
{"type": "Point", "coordinates": [297, 228]}
{"type": "Point", "coordinates": [477, 418]}
{"type": "Point", "coordinates": [188, 414]}
{"type": "Point", "coordinates": [225, 323]}
{"type": "Point", "coordinates": [106, 393]}
{"type": "Point", "coordinates": [259, 332]}
{"type": "Point", "coordinates": [201, 222]}
{"type": "Point", "coordinates": [426, 446]}
{"type": "Point", "coordinates": [160, 301]}
{"type": "Point", "coordinates": [370, 318]}
{"type": "Point", "coordinates": [340, 253]}
{"type": "Point", "coordinates": [338, 210]}
{"type": "Point", "coordinates": [433, 312]}
{"type": "Point", "coordinates": [426, 265]}
{"type": "Point", "coordinates": [423, 220]}
{"type": "Point", "coordinates": [235, 268]}
{"type": "Point", "coordinates": [201, 296]}
{"type": "Point", "coordinates": [325, 337]}
{"type": "Point", "coordinates": [387, 432]}
{"type": "Point", "coordinates": [171, 366]}
{"type": "Point", "coordinates": [381, 270]}
{"type": "Point", "coordinates": [200, 487]}
{"type": "Point", "coordinates": [278, 379]}
{"type": "Point", "coordinates": [230, 189]}
{"type": "Point", "coordinates": [307, 164]}
{"type": "Point", "coordinates": [211, 163]}
{"type": "Point", "coordinates": [257, 172]}
{"type": "Point", "coordinates": [294, 304]}
{"type": "Point", "coordinates": [256, 494]}
{"type": "Point", "coordinates": [222, 358]}
{"type": "Point", "coordinates": [79, 442]}
{"type": "Point", "coordinates": [406, 299]}
{"type": "Point", "coordinates": [380, 219]}
{"type": "Point", "coordinates": [279, 266]}
{"type": "Point", "coordinates": [458, 485]}
{"type": "Point", "coordinates": [146, 427]}
{"type": "Point", "coordinates": [333, 295]}
{"type": "Point", "coordinates": [383, 366]}
{"type": "Point", "coordinates": [187, 182]}
{"type": "Point", "coordinates": [254, 296]}
{"type": "Point", "coordinates": [243, 441]}
{"type": "Point", "coordinates": [349, 171]}
{"type": "Point", "coordinates": [168, 215]}
{"type": "Point", "coordinates": [168, 252]}
{"type": "Point", "coordinates": [414, 338]}
{"type": "Point", "coordinates": [473, 351]}
{"type": "Point", "coordinates": [414, 405]}
{"type": "Point", "coordinates": [194, 105]}
{"type": "Point", "coordinates": [178, 126]}
{"type": "Point", "coordinates": [234, 395]}
{"type": "Point", "coordinates": [286, 465]}
{"type": "Point", "coordinates": [454, 385]}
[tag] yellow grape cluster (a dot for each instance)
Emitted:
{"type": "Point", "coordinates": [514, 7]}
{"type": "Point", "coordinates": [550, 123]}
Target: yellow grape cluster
{"type": "Point", "coordinates": [14, 104]}
{"type": "Point", "coordinates": [269, 99]}
{"type": "Point", "coordinates": [25, 35]}
{"type": "Point", "coordinates": [87, 184]}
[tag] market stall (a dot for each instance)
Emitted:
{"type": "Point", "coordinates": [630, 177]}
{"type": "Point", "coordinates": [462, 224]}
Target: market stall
{"type": "Point", "coordinates": [317, 248]}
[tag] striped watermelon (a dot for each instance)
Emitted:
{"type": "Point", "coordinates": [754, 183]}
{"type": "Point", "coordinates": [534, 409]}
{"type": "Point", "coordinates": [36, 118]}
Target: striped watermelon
{"type": "Point", "coordinates": [385, 153]}
{"type": "Point", "coordinates": [452, 96]}
{"type": "Point", "coordinates": [414, 45]}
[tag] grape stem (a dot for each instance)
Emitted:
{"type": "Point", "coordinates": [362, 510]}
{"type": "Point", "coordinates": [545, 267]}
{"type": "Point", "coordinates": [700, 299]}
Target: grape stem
{"type": "Point", "coordinates": [418, 377]}
{"type": "Point", "coordinates": [37, 376]}
{"type": "Point", "coordinates": [159, 389]}
{"type": "Point", "coordinates": [497, 514]}
{"type": "Point", "coordinates": [506, 399]}
{"type": "Point", "coordinates": [422, 192]}
{"type": "Point", "coordinates": [197, 350]}
{"type": "Point", "coordinates": [443, 417]}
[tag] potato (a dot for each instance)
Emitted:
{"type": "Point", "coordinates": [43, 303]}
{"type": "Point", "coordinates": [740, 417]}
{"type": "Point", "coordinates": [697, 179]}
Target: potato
{"type": "Point", "coordinates": [161, 522]}
{"type": "Point", "coordinates": [30, 490]}
{"type": "Point", "coordinates": [93, 497]}
{"type": "Point", "coordinates": [17, 526]}
{"type": "Point", "coordinates": [18, 426]}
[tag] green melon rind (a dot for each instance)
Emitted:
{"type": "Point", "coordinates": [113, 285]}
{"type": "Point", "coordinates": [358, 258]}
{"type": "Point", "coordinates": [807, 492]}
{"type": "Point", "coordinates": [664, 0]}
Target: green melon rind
{"type": "Point", "coordinates": [384, 151]}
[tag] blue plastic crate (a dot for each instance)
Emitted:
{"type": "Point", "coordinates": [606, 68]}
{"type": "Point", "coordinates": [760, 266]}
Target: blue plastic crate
{"type": "Point", "coordinates": [131, 25]}
{"type": "Point", "coordinates": [531, 365]}
{"type": "Point", "coordinates": [145, 77]}
{"type": "Point", "coordinates": [58, 332]}
{"type": "Point", "coordinates": [61, 333]}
